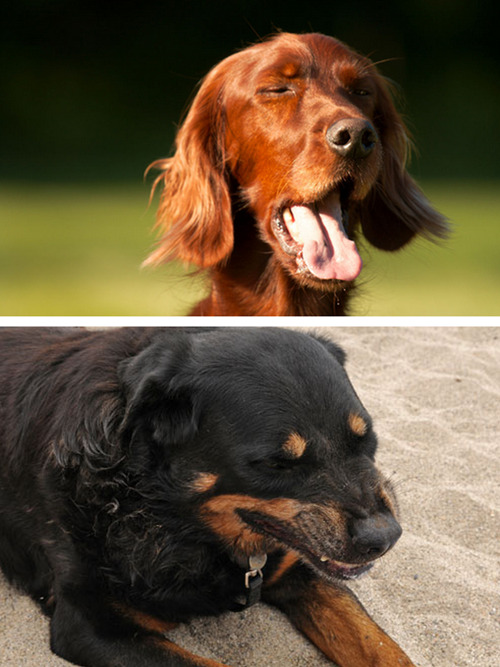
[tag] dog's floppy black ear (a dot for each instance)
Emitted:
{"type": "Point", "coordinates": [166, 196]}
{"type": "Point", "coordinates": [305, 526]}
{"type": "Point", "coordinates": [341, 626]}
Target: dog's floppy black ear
{"type": "Point", "coordinates": [159, 402]}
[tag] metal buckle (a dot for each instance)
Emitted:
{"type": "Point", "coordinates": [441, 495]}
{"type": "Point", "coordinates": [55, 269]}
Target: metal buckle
{"type": "Point", "coordinates": [253, 582]}
{"type": "Point", "coordinates": [250, 575]}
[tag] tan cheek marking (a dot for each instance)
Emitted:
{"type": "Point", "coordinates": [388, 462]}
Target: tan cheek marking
{"type": "Point", "coordinates": [204, 482]}
{"type": "Point", "coordinates": [295, 445]}
{"type": "Point", "coordinates": [357, 424]}
{"type": "Point", "coordinates": [219, 513]}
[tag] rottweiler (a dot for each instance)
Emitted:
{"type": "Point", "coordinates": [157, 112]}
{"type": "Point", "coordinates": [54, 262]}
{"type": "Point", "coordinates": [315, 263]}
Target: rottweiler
{"type": "Point", "coordinates": [152, 475]}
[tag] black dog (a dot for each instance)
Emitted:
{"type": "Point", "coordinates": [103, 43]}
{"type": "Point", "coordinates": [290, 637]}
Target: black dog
{"type": "Point", "coordinates": [148, 475]}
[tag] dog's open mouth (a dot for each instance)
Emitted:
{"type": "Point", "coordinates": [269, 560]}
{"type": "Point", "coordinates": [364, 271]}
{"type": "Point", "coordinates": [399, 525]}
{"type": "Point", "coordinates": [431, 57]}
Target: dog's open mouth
{"type": "Point", "coordinates": [316, 234]}
{"type": "Point", "coordinates": [329, 567]}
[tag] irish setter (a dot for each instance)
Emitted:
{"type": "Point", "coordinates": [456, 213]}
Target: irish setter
{"type": "Point", "coordinates": [291, 149]}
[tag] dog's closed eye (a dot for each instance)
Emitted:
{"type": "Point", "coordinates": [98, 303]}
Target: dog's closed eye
{"type": "Point", "coordinates": [278, 462]}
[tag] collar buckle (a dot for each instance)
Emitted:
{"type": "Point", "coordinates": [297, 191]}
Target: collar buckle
{"type": "Point", "coordinates": [251, 575]}
{"type": "Point", "coordinates": [253, 582]}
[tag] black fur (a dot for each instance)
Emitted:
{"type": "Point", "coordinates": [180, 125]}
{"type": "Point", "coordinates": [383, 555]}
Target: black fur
{"type": "Point", "coordinates": [103, 436]}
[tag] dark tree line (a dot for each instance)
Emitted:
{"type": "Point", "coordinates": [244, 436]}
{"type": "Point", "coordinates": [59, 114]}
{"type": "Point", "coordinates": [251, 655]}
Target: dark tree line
{"type": "Point", "coordinates": [90, 86]}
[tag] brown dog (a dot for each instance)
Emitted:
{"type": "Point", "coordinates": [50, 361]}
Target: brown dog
{"type": "Point", "coordinates": [292, 148]}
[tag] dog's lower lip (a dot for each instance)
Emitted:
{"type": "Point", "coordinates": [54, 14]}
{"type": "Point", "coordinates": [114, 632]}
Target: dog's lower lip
{"type": "Point", "coordinates": [329, 566]}
{"type": "Point", "coordinates": [341, 570]}
{"type": "Point", "coordinates": [282, 234]}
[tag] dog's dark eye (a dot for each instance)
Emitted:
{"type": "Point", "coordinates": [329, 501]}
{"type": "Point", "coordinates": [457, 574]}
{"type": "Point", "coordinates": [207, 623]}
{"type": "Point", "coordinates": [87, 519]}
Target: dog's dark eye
{"type": "Point", "coordinates": [277, 463]}
{"type": "Point", "coordinates": [275, 90]}
{"type": "Point", "coordinates": [361, 92]}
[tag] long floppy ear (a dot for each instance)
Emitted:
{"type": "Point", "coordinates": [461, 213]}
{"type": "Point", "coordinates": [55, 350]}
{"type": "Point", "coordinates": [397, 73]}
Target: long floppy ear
{"type": "Point", "coordinates": [396, 210]}
{"type": "Point", "coordinates": [194, 214]}
{"type": "Point", "coordinates": [159, 404]}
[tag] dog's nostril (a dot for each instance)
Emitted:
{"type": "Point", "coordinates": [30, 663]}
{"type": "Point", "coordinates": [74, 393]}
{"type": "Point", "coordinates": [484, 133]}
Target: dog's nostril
{"type": "Point", "coordinates": [371, 549]}
{"type": "Point", "coordinates": [368, 139]}
{"type": "Point", "coordinates": [352, 137]}
{"type": "Point", "coordinates": [342, 138]}
{"type": "Point", "coordinates": [378, 550]}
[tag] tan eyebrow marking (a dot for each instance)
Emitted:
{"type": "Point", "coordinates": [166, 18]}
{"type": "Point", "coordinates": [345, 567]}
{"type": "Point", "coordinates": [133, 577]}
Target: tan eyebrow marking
{"type": "Point", "coordinates": [357, 424]}
{"type": "Point", "coordinates": [295, 446]}
{"type": "Point", "coordinates": [204, 482]}
{"type": "Point", "coordinates": [291, 70]}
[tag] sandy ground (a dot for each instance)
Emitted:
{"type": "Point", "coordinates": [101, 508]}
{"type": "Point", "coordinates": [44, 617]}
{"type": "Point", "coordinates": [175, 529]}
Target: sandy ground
{"type": "Point", "coordinates": [435, 396]}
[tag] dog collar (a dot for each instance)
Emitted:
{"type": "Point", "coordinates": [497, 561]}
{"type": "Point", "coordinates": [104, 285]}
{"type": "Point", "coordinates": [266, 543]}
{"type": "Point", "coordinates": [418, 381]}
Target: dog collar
{"type": "Point", "coordinates": [253, 580]}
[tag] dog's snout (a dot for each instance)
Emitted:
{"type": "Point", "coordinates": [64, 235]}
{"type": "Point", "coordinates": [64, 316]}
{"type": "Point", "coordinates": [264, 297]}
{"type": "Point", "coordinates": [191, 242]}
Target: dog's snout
{"type": "Point", "coordinates": [373, 536]}
{"type": "Point", "coordinates": [352, 137]}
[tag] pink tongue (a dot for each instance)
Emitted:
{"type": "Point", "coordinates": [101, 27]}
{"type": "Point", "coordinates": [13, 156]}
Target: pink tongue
{"type": "Point", "coordinates": [327, 251]}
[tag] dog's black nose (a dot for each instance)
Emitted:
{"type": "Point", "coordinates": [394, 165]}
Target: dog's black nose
{"type": "Point", "coordinates": [373, 536]}
{"type": "Point", "coordinates": [352, 137]}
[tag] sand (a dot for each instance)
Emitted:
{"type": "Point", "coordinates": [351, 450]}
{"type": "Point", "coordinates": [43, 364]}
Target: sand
{"type": "Point", "coordinates": [434, 394]}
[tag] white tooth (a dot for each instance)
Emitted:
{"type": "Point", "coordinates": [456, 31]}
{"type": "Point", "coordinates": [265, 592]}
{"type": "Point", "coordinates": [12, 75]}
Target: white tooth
{"type": "Point", "coordinates": [323, 559]}
{"type": "Point", "coordinates": [288, 216]}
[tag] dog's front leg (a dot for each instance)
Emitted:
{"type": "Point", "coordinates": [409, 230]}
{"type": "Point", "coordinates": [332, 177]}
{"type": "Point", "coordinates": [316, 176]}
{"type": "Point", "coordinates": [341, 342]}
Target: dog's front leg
{"type": "Point", "coordinates": [93, 633]}
{"type": "Point", "coordinates": [336, 622]}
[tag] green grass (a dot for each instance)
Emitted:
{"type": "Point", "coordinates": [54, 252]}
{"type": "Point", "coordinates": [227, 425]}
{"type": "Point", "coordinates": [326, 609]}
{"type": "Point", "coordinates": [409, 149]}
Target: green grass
{"type": "Point", "coordinates": [77, 250]}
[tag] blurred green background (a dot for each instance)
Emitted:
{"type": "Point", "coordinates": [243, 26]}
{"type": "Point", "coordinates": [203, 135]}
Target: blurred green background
{"type": "Point", "coordinates": [91, 93]}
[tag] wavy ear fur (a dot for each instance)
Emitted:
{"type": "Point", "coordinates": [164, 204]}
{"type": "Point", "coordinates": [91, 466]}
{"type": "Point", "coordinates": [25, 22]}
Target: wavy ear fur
{"type": "Point", "coordinates": [194, 214]}
{"type": "Point", "coordinates": [396, 210]}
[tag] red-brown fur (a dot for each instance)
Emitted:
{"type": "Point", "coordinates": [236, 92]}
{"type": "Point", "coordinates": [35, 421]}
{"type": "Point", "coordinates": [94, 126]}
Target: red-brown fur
{"type": "Point", "coordinates": [254, 142]}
